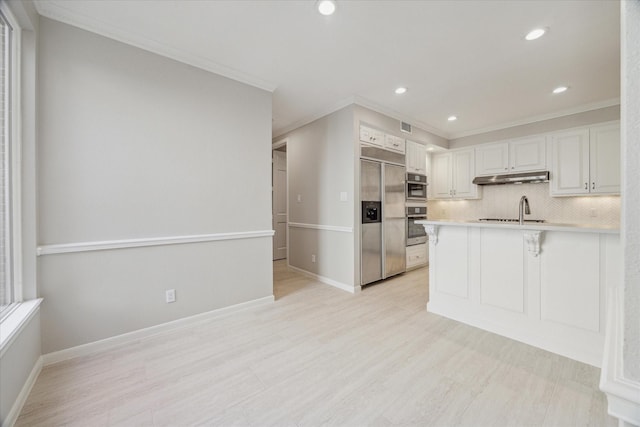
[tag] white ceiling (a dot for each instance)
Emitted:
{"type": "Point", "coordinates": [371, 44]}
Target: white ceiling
{"type": "Point", "coordinates": [467, 58]}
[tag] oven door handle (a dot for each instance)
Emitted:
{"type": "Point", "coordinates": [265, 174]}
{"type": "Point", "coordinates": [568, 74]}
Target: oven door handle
{"type": "Point", "coordinates": [417, 216]}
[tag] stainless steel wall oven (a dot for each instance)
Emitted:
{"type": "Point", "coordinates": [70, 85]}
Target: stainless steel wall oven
{"type": "Point", "coordinates": [415, 232]}
{"type": "Point", "coordinates": [416, 187]}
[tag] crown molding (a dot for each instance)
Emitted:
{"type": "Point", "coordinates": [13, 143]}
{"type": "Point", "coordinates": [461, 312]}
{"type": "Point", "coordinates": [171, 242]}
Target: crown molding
{"type": "Point", "coordinates": [534, 119]}
{"type": "Point", "coordinates": [366, 103]}
{"type": "Point", "coordinates": [57, 12]}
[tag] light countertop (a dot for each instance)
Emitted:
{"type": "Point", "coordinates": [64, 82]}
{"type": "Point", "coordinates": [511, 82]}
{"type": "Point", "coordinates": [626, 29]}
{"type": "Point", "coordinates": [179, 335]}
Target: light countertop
{"type": "Point", "coordinates": [544, 226]}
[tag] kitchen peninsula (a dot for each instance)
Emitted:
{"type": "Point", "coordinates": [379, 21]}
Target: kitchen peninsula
{"type": "Point", "coordinates": [542, 284]}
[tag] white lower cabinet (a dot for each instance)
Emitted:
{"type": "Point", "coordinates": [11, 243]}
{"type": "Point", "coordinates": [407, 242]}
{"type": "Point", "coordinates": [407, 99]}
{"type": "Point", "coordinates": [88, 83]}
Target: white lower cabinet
{"type": "Point", "coordinates": [542, 287]}
{"type": "Point", "coordinates": [417, 256]}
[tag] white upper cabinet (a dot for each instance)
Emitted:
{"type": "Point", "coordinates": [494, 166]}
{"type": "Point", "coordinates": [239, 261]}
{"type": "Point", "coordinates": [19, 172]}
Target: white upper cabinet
{"type": "Point", "coordinates": [371, 136]}
{"type": "Point", "coordinates": [492, 159]}
{"type": "Point", "coordinates": [586, 161]}
{"type": "Point", "coordinates": [528, 154]}
{"type": "Point", "coordinates": [416, 157]}
{"type": "Point", "coordinates": [452, 175]}
{"type": "Point", "coordinates": [521, 155]}
{"type": "Point", "coordinates": [394, 143]}
{"type": "Point", "coordinates": [604, 159]}
{"type": "Point", "coordinates": [381, 139]}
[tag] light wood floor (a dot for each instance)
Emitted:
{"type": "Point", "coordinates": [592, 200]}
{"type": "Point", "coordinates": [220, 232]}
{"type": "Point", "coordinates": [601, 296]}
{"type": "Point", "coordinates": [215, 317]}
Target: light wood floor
{"type": "Point", "coordinates": [320, 356]}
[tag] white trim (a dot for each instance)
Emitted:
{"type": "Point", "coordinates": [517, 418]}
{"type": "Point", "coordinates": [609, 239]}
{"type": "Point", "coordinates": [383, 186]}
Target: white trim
{"type": "Point", "coordinates": [151, 241]}
{"type": "Point", "coordinates": [540, 118]}
{"type": "Point", "coordinates": [623, 395]}
{"type": "Point", "coordinates": [55, 10]}
{"type": "Point", "coordinates": [415, 123]}
{"type": "Point", "coordinates": [362, 102]}
{"type": "Point", "coordinates": [326, 280]}
{"type": "Point", "coordinates": [140, 334]}
{"type": "Point", "coordinates": [279, 144]}
{"type": "Point", "coordinates": [15, 322]}
{"type": "Point", "coordinates": [14, 413]}
{"type": "Point", "coordinates": [15, 156]}
{"type": "Point", "coordinates": [321, 227]}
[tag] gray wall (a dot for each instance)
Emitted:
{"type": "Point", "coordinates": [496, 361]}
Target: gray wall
{"type": "Point", "coordinates": [320, 159]}
{"type": "Point", "coordinates": [134, 145]}
{"type": "Point", "coordinates": [565, 122]}
{"type": "Point", "coordinates": [631, 189]}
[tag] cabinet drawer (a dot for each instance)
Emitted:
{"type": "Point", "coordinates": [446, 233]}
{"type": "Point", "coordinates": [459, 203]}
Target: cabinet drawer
{"type": "Point", "coordinates": [416, 256]}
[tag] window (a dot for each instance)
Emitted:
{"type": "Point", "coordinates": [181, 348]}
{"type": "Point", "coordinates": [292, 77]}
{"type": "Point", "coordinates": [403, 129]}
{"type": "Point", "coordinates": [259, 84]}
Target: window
{"type": "Point", "coordinates": [9, 157]}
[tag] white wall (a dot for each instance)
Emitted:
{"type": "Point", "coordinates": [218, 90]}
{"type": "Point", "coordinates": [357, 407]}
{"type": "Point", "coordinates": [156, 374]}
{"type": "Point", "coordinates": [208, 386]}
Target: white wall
{"type": "Point", "coordinates": [320, 161]}
{"type": "Point", "coordinates": [16, 364]}
{"type": "Point", "coordinates": [631, 185]}
{"type": "Point", "coordinates": [134, 145]}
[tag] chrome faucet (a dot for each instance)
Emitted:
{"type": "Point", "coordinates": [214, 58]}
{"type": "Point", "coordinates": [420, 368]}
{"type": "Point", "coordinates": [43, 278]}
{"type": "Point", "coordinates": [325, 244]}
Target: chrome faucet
{"type": "Point", "coordinates": [523, 209]}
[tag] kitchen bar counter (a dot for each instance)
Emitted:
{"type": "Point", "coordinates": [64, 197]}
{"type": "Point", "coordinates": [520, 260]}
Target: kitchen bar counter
{"type": "Point", "coordinates": [539, 283]}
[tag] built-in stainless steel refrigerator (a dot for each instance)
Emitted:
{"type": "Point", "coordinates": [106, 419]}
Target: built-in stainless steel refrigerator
{"type": "Point", "coordinates": [383, 226]}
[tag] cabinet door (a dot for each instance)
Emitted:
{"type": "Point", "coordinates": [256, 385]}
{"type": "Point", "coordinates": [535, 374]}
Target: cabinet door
{"type": "Point", "coordinates": [463, 174]}
{"type": "Point", "coordinates": [528, 154]}
{"type": "Point", "coordinates": [441, 176]}
{"type": "Point", "coordinates": [492, 159]}
{"type": "Point", "coordinates": [394, 143]}
{"type": "Point", "coordinates": [420, 158]}
{"type": "Point", "coordinates": [411, 157]}
{"type": "Point", "coordinates": [604, 155]}
{"type": "Point", "coordinates": [371, 136]}
{"type": "Point", "coordinates": [429, 172]}
{"type": "Point", "coordinates": [570, 162]}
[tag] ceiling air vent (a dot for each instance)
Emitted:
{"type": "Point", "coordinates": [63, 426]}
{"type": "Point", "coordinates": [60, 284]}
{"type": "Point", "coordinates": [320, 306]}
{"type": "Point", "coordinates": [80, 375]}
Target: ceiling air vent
{"type": "Point", "coordinates": [405, 127]}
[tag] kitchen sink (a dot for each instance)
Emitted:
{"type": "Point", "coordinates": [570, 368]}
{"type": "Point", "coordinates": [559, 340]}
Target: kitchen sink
{"type": "Point", "coordinates": [511, 220]}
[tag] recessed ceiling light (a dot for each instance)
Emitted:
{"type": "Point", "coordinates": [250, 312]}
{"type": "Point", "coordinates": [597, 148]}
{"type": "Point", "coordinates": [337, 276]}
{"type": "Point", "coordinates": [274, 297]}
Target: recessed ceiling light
{"type": "Point", "coordinates": [326, 7]}
{"type": "Point", "coordinates": [535, 34]}
{"type": "Point", "coordinates": [452, 118]}
{"type": "Point", "coordinates": [430, 148]}
{"type": "Point", "coordinates": [401, 90]}
{"type": "Point", "coordinates": [560, 89]}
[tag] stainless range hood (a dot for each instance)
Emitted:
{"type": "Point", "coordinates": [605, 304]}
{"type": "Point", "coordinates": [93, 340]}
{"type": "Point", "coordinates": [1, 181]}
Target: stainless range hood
{"type": "Point", "coordinates": [514, 178]}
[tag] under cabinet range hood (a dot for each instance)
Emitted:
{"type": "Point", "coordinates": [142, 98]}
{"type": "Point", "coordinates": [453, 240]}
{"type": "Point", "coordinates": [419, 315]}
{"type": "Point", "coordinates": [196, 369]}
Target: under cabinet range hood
{"type": "Point", "coordinates": [513, 178]}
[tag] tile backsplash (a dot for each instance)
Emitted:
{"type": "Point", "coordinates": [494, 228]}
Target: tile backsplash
{"type": "Point", "coordinates": [501, 201]}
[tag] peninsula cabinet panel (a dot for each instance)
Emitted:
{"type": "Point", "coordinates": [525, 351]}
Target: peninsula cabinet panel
{"type": "Point", "coordinates": [541, 284]}
{"type": "Point", "coordinates": [570, 280]}
{"type": "Point", "coordinates": [452, 273]}
{"type": "Point", "coordinates": [502, 269]}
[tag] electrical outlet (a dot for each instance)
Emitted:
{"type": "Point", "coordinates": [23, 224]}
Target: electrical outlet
{"type": "Point", "coordinates": [170, 295]}
{"type": "Point", "coordinates": [593, 213]}
{"type": "Point", "coordinates": [299, 198]}
{"type": "Point", "coordinates": [313, 258]}
{"type": "Point", "coordinates": [344, 197]}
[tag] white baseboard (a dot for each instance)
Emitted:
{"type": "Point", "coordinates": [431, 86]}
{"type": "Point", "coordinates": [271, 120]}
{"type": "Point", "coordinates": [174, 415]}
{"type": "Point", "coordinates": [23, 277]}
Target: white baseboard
{"type": "Point", "coordinates": [14, 413]}
{"type": "Point", "coordinates": [107, 343]}
{"type": "Point", "coordinates": [326, 280]}
{"type": "Point", "coordinates": [520, 332]}
{"type": "Point", "coordinates": [623, 395]}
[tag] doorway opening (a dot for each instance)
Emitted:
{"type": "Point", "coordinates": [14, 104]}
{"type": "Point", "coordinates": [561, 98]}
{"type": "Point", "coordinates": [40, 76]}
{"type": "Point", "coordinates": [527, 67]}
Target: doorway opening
{"type": "Point", "coordinates": [279, 199]}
